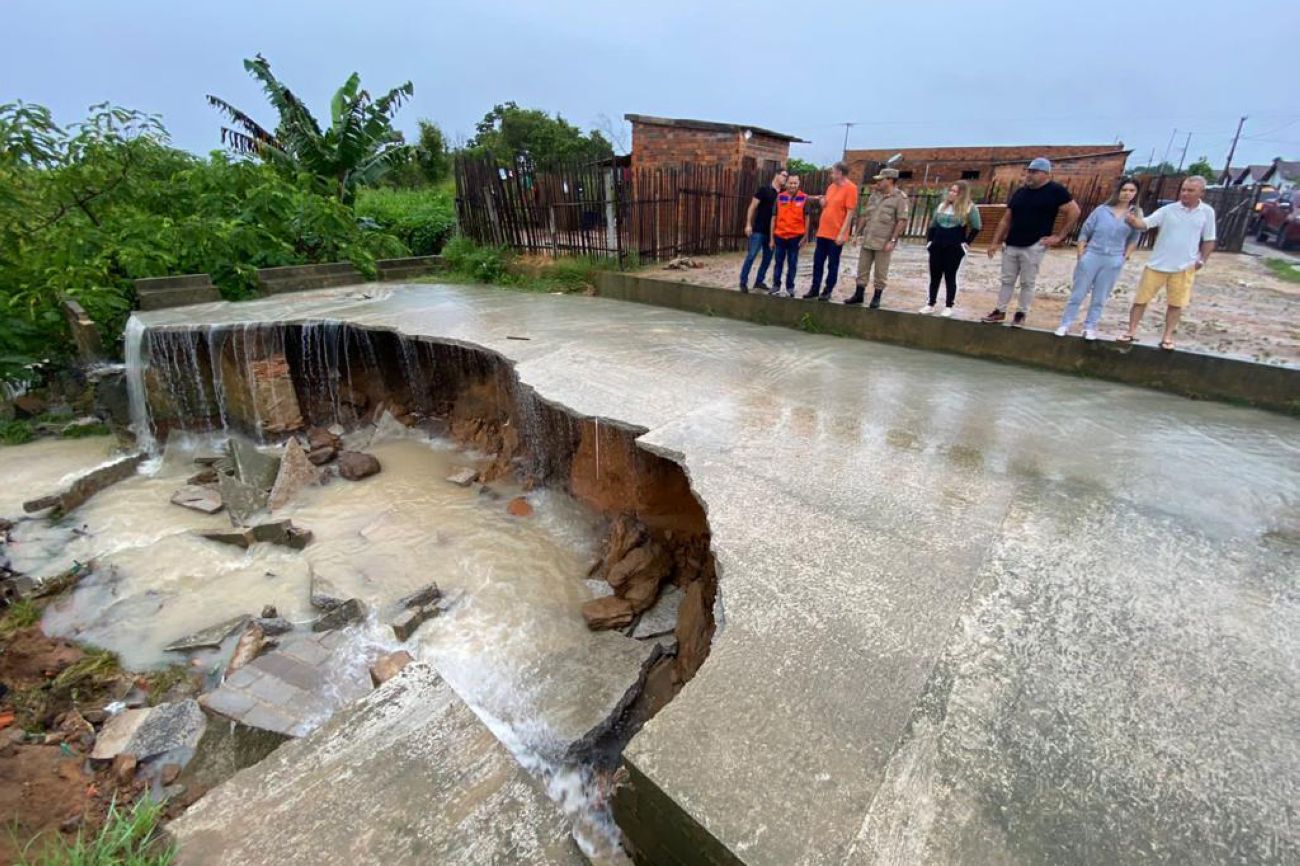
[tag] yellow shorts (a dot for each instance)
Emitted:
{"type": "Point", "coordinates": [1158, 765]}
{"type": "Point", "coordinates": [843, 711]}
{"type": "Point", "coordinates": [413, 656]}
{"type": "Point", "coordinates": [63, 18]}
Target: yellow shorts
{"type": "Point", "coordinates": [1177, 286]}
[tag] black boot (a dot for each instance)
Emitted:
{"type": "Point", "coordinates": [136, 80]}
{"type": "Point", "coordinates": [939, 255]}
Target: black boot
{"type": "Point", "coordinates": [875, 299]}
{"type": "Point", "coordinates": [857, 298]}
{"type": "Point", "coordinates": [811, 294]}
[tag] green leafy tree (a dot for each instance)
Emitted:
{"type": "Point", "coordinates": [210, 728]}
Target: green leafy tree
{"type": "Point", "coordinates": [1155, 168]}
{"type": "Point", "coordinates": [508, 131]}
{"type": "Point", "coordinates": [1204, 169]}
{"type": "Point", "coordinates": [358, 148]}
{"type": "Point", "coordinates": [795, 165]}
{"type": "Point", "coordinates": [429, 164]}
{"type": "Point", "coordinates": [86, 210]}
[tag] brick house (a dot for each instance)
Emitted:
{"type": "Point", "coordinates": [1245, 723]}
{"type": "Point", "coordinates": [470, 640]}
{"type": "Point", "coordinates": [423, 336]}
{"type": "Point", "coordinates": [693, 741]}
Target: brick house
{"type": "Point", "coordinates": [930, 166]}
{"type": "Point", "coordinates": [665, 142]}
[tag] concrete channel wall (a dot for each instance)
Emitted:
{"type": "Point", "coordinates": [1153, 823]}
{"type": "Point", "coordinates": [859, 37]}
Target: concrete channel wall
{"type": "Point", "coordinates": [1189, 374]}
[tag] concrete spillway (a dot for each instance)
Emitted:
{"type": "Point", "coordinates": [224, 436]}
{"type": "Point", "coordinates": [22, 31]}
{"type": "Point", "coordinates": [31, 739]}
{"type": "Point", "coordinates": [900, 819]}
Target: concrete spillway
{"type": "Point", "coordinates": [967, 613]}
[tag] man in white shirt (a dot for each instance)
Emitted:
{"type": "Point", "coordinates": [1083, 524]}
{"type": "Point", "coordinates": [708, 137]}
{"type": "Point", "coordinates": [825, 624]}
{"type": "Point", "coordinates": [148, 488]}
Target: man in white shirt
{"type": "Point", "coordinates": [1182, 248]}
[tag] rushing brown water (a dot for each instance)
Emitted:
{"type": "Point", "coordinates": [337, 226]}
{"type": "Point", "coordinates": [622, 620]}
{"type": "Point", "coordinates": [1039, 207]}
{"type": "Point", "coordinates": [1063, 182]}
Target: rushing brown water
{"type": "Point", "coordinates": [513, 643]}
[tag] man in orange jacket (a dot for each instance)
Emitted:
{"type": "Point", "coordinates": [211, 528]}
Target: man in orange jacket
{"type": "Point", "coordinates": [789, 229]}
{"type": "Point", "coordinates": [838, 206]}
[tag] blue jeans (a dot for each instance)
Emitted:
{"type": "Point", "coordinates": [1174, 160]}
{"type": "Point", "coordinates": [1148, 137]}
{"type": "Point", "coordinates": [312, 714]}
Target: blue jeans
{"type": "Point", "coordinates": [826, 256]}
{"type": "Point", "coordinates": [787, 253]}
{"type": "Point", "coordinates": [1095, 273]}
{"type": "Point", "coordinates": [757, 244]}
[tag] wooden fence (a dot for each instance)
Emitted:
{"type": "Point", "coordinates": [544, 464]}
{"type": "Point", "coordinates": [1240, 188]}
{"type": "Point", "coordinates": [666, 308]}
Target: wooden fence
{"type": "Point", "coordinates": [608, 210]}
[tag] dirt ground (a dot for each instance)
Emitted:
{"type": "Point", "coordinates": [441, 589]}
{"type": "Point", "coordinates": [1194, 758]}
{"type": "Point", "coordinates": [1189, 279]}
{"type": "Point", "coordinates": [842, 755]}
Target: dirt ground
{"type": "Point", "coordinates": [1239, 308]}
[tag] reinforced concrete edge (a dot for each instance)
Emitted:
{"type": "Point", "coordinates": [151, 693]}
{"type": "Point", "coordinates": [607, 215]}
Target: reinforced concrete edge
{"type": "Point", "coordinates": [1187, 374]}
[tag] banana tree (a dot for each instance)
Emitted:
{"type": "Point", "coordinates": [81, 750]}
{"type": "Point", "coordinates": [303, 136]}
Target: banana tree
{"type": "Point", "coordinates": [359, 146]}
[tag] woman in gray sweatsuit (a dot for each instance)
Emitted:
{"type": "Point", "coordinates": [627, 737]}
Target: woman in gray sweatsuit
{"type": "Point", "coordinates": [1105, 242]}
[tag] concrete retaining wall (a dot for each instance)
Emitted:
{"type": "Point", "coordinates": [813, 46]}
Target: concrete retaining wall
{"type": "Point", "coordinates": [158, 293]}
{"type": "Point", "coordinates": [405, 269]}
{"type": "Point", "coordinates": [298, 278]}
{"type": "Point", "coordinates": [1190, 374]}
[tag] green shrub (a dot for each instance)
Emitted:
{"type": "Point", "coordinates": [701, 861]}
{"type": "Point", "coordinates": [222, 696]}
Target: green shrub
{"type": "Point", "coordinates": [16, 432]}
{"type": "Point", "coordinates": [423, 219]}
{"type": "Point", "coordinates": [129, 837]}
{"type": "Point", "coordinates": [482, 264]}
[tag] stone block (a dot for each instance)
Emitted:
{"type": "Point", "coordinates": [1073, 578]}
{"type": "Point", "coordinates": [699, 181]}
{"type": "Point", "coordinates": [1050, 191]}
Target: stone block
{"type": "Point", "coordinates": [203, 499]}
{"type": "Point", "coordinates": [388, 667]}
{"type": "Point", "coordinates": [345, 614]}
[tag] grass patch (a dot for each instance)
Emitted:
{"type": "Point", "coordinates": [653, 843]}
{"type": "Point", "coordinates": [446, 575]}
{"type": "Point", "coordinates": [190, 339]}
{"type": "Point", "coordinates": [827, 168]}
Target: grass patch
{"type": "Point", "coordinates": [1283, 269]}
{"type": "Point", "coordinates": [500, 266]}
{"type": "Point", "coordinates": [81, 431]}
{"type": "Point", "coordinates": [129, 837]}
{"type": "Point", "coordinates": [97, 665]}
{"type": "Point", "coordinates": [159, 683]}
{"type": "Point", "coordinates": [809, 325]}
{"type": "Point", "coordinates": [16, 433]}
{"type": "Point", "coordinates": [20, 615]}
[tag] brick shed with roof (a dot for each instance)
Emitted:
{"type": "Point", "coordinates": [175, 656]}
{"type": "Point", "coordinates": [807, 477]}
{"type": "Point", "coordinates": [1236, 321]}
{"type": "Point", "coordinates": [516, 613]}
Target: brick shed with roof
{"type": "Point", "coordinates": [667, 142]}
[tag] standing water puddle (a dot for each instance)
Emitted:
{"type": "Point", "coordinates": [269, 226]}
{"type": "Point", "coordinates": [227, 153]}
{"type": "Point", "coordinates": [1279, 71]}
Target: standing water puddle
{"type": "Point", "coordinates": [513, 644]}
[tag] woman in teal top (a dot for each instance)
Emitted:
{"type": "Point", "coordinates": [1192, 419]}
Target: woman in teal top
{"type": "Point", "coordinates": [955, 224]}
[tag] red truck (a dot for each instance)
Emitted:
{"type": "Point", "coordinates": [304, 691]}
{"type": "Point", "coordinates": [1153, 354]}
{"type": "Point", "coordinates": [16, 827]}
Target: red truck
{"type": "Point", "coordinates": [1280, 219]}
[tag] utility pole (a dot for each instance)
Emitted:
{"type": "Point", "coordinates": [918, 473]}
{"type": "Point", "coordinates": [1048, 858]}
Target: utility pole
{"type": "Point", "coordinates": [847, 127]}
{"type": "Point", "coordinates": [1169, 145]}
{"type": "Point", "coordinates": [1227, 166]}
{"type": "Point", "coordinates": [1183, 158]}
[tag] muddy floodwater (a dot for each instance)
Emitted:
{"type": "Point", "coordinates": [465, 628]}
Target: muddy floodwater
{"type": "Point", "coordinates": [512, 643]}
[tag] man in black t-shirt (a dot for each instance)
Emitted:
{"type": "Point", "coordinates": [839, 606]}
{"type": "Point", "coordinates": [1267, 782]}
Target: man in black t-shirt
{"type": "Point", "coordinates": [758, 228]}
{"type": "Point", "coordinates": [1025, 234]}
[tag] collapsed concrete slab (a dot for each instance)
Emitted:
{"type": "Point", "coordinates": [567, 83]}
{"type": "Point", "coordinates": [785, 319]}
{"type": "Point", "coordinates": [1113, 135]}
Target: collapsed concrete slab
{"type": "Point", "coordinates": [409, 775]}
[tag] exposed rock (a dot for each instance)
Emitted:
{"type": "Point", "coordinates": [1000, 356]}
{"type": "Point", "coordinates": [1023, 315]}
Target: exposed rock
{"type": "Point", "coordinates": [169, 773]}
{"type": "Point", "coordinates": [252, 466]}
{"type": "Point", "coordinates": [324, 594]}
{"type": "Point", "coordinates": [388, 667]}
{"type": "Point", "coordinates": [355, 465]}
{"type": "Point", "coordinates": [29, 405]}
{"type": "Point", "coordinates": [637, 576]}
{"type": "Point", "coordinates": [425, 595]}
{"type": "Point", "coordinates": [694, 630]}
{"type": "Point", "coordinates": [274, 625]}
{"type": "Point", "coordinates": [346, 613]}
{"type": "Point", "coordinates": [490, 493]}
{"type": "Point", "coordinates": [208, 638]}
{"type": "Point", "coordinates": [463, 477]}
{"type": "Point", "coordinates": [169, 729]}
{"type": "Point", "coordinates": [203, 499]}
{"type": "Point", "coordinates": [661, 619]}
{"type": "Point", "coordinates": [296, 472]}
{"type": "Point", "coordinates": [207, 459]}
{"type": "Point", "coordinates": [625, 533]}
{"type": "Point", "coordinates": [606, 613]}
{"type": "Point", "coordinates": [117, 732]}
{"type": "Point", "coordinates": [408, 621]}
{"type": "Point", "coordinates": [87, 486]}
{"type": "Point", "coordinates": [319, 437]}
{"type": "Point", "coordinates": [206, 475]}
{"type": "Point", "coordinates": [124, 767]}
{"type": "Point", "coordinates": [321, 456]}
{"type": "Point", "coordinates": [519, 507]}
{"type": "Point", "coordinates": [250, 646]}
{"type": "Point", "coordinates": [238, 537]}
{"type": "Point", "coordinates": [269, 611]}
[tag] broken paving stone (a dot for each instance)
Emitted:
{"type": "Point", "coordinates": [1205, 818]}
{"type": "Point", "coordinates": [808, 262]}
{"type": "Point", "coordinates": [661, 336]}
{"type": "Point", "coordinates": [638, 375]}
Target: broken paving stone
{"type": "Point", "coordinates": [252, 467]}
{"type": "Point", "coordinates": [87, 486]}
{"type": "Point", "coordinates": [241, 499]}
{"type": "Point", "coordinates": [207, 459]}
{"type": "Point", "coordinates": [209, 638]}
{"type": "Point", "coordinates": [167, 730]}
{"type": "Point", "coordinates": [355, 465]}
{"type": "Point", "coordinates": [607, 613]}
{"type": "Point", "coordinates": [661, 619]}
{"type": "Point", "coordinates": [203, 499]}
{"type": "Point", "coordinates": [238, 537]}
{"type": "Point", "coordinates": [296, 472]}
{"type": "Point", "coordinates": [324, 594]}
{"type": "Point", "coordinates": [425, 595]}
{"type": "Point", "coordinates": [117, 732]}
{"type": "Point", "coordinates": [519, 507]}
{"type": "Point", "coordinates": [388, 667]}
{"type": "Point", "coordinates": [284, 533]}
{"type": "Point", "coordinates": [345, 614]}
{"type": "Point", "coordinates": [463, 477]}
{"type": "Point", "coordinates": [409, 621]}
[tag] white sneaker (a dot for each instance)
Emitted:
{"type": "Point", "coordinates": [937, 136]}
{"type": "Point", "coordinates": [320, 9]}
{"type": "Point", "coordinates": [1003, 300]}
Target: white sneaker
{"type": "Point", "coordinates": [927, 309]}
{"type": "Point", "coordinates": [947, 312]}
{"type": "Point", "coordinates": [1062, 331]}
{"type": "Point", "coordinates": [1090, 335]}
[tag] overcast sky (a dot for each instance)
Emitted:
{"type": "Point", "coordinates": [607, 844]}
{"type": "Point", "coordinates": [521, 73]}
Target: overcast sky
{"type": "Point", "coordinates": [956, 72]}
